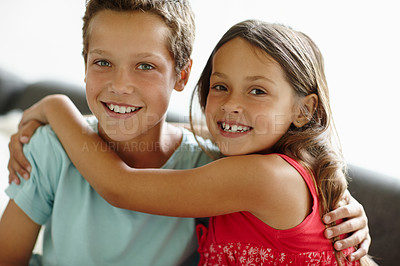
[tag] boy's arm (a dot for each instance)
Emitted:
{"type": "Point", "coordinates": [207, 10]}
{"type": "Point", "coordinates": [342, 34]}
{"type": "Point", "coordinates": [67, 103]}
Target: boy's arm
{"type": "Point", "coordinates": [18, 234]}
{"type": "Point", "coordinates": [355, 223]}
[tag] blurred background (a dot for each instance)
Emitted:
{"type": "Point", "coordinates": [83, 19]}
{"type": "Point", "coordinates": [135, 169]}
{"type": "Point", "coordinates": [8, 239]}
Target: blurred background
{"type": "Point", "coordinates": [41, 40]}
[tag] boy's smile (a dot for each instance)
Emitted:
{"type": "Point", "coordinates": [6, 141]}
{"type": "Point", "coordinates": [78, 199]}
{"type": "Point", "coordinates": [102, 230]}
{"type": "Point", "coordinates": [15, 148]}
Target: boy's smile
{"type": "Point", "coordinates": [130, 74]}
{"type": "Point", "coordinates": [121, 111]}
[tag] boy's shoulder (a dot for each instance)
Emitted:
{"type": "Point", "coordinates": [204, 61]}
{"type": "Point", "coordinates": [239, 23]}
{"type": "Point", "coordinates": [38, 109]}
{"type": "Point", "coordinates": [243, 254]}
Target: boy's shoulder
{"type": "Point", "coordinates": [193, 152]}
{"type": "Point", "coordinates": [196, 144]}
{"type": "Point", "coordinates": [45, 139]}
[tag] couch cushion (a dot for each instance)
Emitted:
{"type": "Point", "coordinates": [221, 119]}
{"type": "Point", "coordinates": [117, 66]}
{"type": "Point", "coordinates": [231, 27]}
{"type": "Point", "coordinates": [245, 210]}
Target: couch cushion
{"type": "Point", "coordinates": [36, 91]}
{"type": "Point", "coordinates": [380, 196]}
{"type": "Point", "coordinates": [11, 87]}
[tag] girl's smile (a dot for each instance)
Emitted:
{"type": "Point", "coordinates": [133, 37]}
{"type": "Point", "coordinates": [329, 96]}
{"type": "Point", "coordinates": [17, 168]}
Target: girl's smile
{"type": "Point", "coordinates": [231, 129]}
{"type": "Point", "coordinates": [250, 104]}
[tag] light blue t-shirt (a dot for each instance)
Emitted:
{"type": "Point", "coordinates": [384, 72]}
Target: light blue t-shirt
{"type": "Point", "coordinates": [81, 228]}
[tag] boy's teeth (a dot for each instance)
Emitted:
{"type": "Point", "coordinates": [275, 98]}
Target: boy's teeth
{"type": "Point", "coordinates": [234, 128]}
{"type": "Point", "coordinates": [121, 109]}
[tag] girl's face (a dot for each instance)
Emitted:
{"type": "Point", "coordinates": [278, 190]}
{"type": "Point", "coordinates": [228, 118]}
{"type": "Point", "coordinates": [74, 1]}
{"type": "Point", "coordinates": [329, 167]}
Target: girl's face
{"type": "Point", "coordinates": [130, 74]}
{"type": "Point", "coordinates": [250, 105]}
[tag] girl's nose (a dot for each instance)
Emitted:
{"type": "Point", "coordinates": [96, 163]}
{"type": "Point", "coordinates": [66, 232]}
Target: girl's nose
{"type": "Point", "coordinates": [232, 105]}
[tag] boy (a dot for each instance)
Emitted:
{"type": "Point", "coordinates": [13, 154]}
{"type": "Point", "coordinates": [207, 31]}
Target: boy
{"type": "Point", "coordinates": [136, 53]}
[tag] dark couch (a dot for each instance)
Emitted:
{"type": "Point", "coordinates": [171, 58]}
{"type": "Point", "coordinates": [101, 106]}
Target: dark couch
{"type": "Point", "coordinates": [379, 194]}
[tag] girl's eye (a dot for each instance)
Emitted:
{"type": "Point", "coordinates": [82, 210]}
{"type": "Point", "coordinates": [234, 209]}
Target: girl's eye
{"type": "Point", "coordinates": [257, 92]}
{"type": "Point", "coordinates": [145, 67]}
{"type": "Point", "coordinates": [103, 63]}
{"type": "Point", "coordinates": [219, 88]}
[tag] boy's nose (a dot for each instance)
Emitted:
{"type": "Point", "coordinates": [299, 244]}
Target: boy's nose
{"type": "Point", "coordinates": [121, 82]}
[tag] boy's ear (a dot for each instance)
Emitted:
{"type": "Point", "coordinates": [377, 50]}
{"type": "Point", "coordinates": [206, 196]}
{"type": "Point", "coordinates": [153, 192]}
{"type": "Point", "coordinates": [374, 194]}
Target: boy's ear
{"type": "Point", "coordinates": [183, 76]}
{"type": "Point", "coordinates": [306, 110]}
{"type": "Point", "coordinates": [85, 72]}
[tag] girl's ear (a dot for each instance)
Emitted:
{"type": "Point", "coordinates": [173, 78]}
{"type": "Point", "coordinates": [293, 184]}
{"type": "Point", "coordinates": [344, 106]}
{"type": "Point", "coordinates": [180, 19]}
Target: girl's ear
{"type": "Point", "coordinates": [306, 110]}
{"type": "Point", "coordinates": [184, 76]}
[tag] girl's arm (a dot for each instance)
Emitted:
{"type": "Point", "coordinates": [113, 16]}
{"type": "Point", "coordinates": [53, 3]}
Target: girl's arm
{"type": "Point", "coordinates": [353, 211]}
{"type": "Point", "coordinates": [18, 234]}
{"type": "Point", "coordinates": [224, 186]}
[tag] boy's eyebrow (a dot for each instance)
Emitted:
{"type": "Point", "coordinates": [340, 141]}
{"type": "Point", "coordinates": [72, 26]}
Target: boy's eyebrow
{"type": "Point", "coordinates": [97, 51]}
{"type": "Point", "coordinates": [139, 55]}
{"type": "Point", "coordinates": [249, 78]}
{"type": "Point", "coordinates": [145, 55]}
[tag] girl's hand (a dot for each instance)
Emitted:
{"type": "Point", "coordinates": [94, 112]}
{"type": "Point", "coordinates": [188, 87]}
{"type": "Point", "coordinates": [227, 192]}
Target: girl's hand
{"type": "Point", "coordinates": [31, 119]}
{"type": "Point", "coordinates": [356, 224]}
{"type": "Point", "coordinates": [18, 162]}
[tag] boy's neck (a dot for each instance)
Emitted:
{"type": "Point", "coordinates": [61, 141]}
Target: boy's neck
{"type": "Point", "coordinates": [150, 150]}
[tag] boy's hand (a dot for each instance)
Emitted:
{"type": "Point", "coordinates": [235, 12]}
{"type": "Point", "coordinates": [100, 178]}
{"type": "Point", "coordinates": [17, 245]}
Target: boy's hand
{"type": "Point", "coordinates": [355, 222]}
{"type": "Point", "coordinates": [18, 163]}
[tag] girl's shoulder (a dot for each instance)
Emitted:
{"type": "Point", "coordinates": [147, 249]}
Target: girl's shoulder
{"type": "Point", "coordinates": [286, 199]}
{"type": "Point", "coordinates": [273, 166]}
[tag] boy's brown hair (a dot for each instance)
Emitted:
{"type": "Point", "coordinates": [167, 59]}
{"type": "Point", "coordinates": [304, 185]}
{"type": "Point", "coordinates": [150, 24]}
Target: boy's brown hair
{"type": "Point", "coordinates": [176, 14]}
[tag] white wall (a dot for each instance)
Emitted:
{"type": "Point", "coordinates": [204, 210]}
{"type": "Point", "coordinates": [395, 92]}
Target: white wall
{"type": "Point", "coordinates": [360, 40]}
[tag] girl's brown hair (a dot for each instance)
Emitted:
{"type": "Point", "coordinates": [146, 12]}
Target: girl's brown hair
{"type": "Point", "coordinates": [315, 145]}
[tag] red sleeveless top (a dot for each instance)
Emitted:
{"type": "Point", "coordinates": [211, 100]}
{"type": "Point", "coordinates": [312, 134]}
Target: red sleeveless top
{"type": "Point", "coordinates": [242, 239]}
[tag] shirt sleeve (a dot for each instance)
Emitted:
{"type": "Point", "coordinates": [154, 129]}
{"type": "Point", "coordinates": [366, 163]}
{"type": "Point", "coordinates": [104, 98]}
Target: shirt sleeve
{"type": "Point", "coordinates": [36, 195]}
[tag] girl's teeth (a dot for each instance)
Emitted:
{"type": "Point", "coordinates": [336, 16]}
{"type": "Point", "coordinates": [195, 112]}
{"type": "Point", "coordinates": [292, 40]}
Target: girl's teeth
{"type": "Point", "coordinates": [234, 128]}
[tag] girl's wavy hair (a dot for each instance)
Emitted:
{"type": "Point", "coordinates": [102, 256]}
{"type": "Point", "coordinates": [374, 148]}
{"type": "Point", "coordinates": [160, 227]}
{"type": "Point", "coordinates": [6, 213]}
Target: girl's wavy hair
{"type": "Point", "coordinates": [177, 15]}
{"type": "Point", "coordinates": [315, 145]}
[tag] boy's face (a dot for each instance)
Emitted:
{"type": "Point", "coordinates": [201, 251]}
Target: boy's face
{"type": "Point", "coordinates": [129, 74]}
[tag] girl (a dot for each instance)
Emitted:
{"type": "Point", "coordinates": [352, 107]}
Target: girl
{"type": "Point", "coordinates": [265, 99]}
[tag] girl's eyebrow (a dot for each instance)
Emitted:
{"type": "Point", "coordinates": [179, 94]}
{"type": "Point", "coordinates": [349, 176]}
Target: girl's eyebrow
{"type": "Point", "coordinates": [249, 78]}
{"type": "Point", "coordinates": [255, 78]}
{"type": "Point", "coordinates": [219, 74]}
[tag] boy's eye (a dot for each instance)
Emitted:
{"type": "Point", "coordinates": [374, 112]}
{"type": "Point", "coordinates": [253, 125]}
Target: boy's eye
{"type": "Point", "coordinates": [257, 92]}
{"type": "Point", "coordinates": [145, 67]}
{"type": "Point", "coordinates": [102, 63]}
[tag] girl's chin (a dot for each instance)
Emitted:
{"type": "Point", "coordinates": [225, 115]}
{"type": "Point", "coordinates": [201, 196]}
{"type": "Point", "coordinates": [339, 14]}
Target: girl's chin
{"type": "Point", "coordinates": [229, 149]}
{"type": "Point", "coordinates": [226, 150]}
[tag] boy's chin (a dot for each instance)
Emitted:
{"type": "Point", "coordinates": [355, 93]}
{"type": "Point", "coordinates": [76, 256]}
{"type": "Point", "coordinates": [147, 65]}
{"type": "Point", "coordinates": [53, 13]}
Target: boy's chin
{"type": "Point", "coordinates": [112, 136]}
